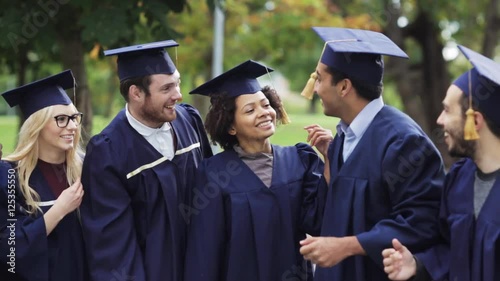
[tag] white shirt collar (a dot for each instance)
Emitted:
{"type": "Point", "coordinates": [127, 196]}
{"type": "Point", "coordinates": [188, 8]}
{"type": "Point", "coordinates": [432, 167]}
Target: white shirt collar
{"type": "Point", "coordinates": [362, 120]}
{"type": "Point", "coordinates": [143, 129]}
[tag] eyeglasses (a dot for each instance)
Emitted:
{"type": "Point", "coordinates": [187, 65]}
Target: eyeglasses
{"type": "Point", "coordinates": [62, 120]}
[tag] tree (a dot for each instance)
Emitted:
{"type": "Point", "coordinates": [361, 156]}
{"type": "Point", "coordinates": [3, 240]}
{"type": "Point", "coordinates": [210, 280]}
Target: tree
{"type": "Point", "coordinates": [278, 34]}
{"type": "Point", "coordinates": [423, 80]}
{"type": "Point", "coordinates": [71, 29]}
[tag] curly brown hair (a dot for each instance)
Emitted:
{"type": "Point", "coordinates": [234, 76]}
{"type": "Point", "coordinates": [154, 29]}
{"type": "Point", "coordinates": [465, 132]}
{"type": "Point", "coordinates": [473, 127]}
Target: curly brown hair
{"type": "Point", "coordinates": [220, 116]}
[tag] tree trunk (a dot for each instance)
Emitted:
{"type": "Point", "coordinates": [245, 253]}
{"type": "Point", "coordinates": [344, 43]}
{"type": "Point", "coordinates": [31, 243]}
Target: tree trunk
{"type": "Point", "coordinates": [398, 69]}
{"type": "Point", "coordinates": [114, 84]}
{"type": "Point", "coordinates": [422, 86]}
{"type": "Point", "coordinates": [491, 30]}
{"type": "Point", "coordinates": [434, 75]}
{"type": "Point", "coordinates": [22, 63]}
{"type": "Point", "coordinates": [312, 105]}
{"type": "Point", "coordinates": [72, 57]}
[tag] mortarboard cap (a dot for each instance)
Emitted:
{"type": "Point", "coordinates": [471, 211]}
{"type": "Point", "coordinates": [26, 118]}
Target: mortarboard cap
{"type": "Point", "coordinates": [237, 81]}
{"type": "Point", "coordinates": [42, 93]}
{"type": "Point", "coordinates": [143, 60]}
{"type": "Point", "coordinates": [483, 81]}
{"type": "Point", "coordinates": [357, 52]}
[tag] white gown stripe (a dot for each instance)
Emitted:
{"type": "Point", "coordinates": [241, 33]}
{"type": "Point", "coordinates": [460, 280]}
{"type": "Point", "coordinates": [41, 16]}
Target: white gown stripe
{"type": "Point", "coordinates": [187, 149]}
{"type": "Point", "coordinates": [161, 160]}
{"type": "Point", "coordinates": [46, 203]}
{"type": "Point", "coordinates": [147, 166]}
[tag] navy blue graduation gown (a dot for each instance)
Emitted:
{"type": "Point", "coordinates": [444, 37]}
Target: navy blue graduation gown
{"type": "Point", "coordinates": [389, 187]}
{"type": "Point", "coordinates": [131, 208]}
{"type": "Point", "coordinates": [471, 247]}
{"type": "Point", "coordinates": [57, 257]}
{"type": "Point", "coordinates": [242, 230]}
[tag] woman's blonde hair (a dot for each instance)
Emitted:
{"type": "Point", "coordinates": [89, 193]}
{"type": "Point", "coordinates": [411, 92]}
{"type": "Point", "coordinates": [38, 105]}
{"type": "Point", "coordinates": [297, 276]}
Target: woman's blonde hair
{"type": "Point", "coordinates": [26, 155]}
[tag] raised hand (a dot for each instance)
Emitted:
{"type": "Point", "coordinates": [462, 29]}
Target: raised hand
{"type": "Point", "coordinates": [67, 202]}
{"type": "Point", "coordinates": [70, 198]}
{"type": "Point", "coordinates": [319, 138]}
{"type": "Point", "coordinates": [329, 251]}
{"type": "Point", "coordinates": [399, 263]}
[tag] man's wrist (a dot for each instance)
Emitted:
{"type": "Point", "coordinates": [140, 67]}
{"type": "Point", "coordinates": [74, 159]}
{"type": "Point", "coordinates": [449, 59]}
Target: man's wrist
{"type": "Point", "coordinates": [420, 272]}
{"type": "Point", "coordinates": [414, 266]}
{"type": "Point", "coordinates": [354, 248]}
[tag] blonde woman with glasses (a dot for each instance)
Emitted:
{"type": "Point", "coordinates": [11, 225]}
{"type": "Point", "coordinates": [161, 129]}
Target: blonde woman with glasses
{"type": "Point", "coordinates": [40, 189]}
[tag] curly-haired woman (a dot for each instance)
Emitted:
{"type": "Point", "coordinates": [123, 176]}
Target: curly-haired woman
{"type": "Point", "coordinates": [254, 201]}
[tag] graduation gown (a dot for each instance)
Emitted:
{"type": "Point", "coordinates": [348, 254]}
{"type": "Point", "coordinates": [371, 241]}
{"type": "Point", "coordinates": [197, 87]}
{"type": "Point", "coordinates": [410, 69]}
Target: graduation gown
{"type": "Point", "coordinates": [471, 247]}
{"type": "Point", "coordinates": [57, 257]}
{"type": "Point", "coordinates": [241, 230]}
{"type": "Point", "coordinates": [389, 187]}
{"type": "Point", "coordinates": [131, 208]}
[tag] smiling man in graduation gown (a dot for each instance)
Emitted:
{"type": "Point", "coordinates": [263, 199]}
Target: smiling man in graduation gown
{"type": "Point", "coordinates": [385, 173]}
{"type": "Point", "coordinates": [469, 216]}
{"type": "Point", "coordinates": [138, 170]}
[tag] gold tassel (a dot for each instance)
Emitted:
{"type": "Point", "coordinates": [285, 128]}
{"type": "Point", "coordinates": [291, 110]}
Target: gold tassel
{"type": "Point", "coordinates": [470, 132]}
{"type": "Point", "coordinates": [284, 116]}
{"type": "Point", "coordinates": [470, 126]}
{"type": "Point", "coordinates": [308, 91]}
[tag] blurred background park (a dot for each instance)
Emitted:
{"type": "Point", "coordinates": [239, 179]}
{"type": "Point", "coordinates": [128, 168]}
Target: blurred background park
{"type": "Point", "coordinates": [43, 37]}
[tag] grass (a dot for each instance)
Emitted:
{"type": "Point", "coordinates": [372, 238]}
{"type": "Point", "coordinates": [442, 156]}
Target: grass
{"type": "Point", "coordinates": [8, 137]}
{"type": "Point", "coordinates": [289, 134]}
{"type": "Point", "coordinates": [294, 132]}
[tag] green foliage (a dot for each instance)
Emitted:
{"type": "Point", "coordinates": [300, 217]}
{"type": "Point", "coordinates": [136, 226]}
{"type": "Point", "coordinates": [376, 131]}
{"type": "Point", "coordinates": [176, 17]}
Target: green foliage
{"type": "Point", "coordinates": [100, 26]}
{"type": "Point", "coordinates": [276, 32]}
{"type": "Point", "coordinates": [281, 36]}
{"type": "Point", "coordinates": [113, 23]}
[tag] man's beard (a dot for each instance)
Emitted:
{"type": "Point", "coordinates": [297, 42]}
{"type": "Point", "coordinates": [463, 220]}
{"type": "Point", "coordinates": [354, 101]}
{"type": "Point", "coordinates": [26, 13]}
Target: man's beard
{"type": "Point", "coordinates": [460, 147]}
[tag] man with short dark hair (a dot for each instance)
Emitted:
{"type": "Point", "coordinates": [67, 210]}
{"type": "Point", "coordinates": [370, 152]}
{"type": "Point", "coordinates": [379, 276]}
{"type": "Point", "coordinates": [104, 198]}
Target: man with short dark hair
{"type": "Point", "coordinates": [138, 172]}
{"type": "Point", "coordinates": [469, 215]}
{"type": "Point", "coordinates": [385, 173]}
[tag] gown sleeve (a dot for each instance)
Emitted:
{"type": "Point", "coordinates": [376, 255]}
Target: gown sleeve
{"type": "Point", "coordinates": [206, 235]}
{"type": "Point", "coordinates": [436, 259]}
{"type": "Point", "coordinates": [412, 173]}
{"type": "Point", "coordinates": [21, 235]}
{"type": "Point", "coordinates": [107, 217]}
{"type": "Point", "coordinates": [314, 188]}
{"type": "Point", "coordinates": [200, 130]}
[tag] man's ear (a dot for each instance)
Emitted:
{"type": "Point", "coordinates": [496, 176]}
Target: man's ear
{"type": "Point", "coordinates": [346, 87]}
{"type": "Point", "coordinates": [135, 93]}
{"type": "Point", "coordinates": [479, 120]}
